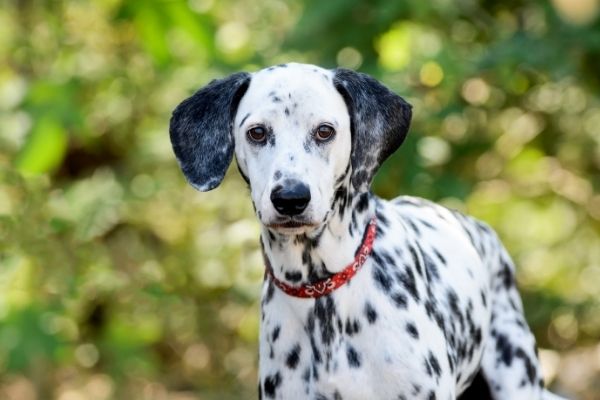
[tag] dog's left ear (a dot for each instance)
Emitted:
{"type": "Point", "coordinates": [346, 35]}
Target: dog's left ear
{"type": "Point", "coordinates": [201, 130]}
{"type": "Point", "coordinates": [379, 121]}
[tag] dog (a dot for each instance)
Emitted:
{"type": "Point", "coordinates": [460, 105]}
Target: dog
{"type": "Point", "coordinates": [363, 298]}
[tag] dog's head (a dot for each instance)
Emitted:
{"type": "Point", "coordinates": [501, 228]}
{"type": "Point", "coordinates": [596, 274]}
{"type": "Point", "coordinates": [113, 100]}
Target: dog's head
{"type": "Point", "coordinates": [299, 133]}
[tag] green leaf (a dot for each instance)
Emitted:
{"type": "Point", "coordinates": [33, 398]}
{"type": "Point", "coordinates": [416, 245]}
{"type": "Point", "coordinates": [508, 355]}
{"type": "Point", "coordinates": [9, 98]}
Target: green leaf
{"type": "Point", "coordinates": [44, 148]}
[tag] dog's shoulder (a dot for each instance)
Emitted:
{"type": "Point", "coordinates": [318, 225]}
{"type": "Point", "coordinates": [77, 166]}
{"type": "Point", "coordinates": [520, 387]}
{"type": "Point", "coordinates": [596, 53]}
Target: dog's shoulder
{"type": "Point", "coordinates": [426, 219]}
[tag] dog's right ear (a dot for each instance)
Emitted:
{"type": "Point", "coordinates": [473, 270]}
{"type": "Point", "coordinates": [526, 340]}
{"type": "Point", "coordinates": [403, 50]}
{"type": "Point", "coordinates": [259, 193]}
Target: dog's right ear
{"type": "Point", "coordinates": [201, 130]}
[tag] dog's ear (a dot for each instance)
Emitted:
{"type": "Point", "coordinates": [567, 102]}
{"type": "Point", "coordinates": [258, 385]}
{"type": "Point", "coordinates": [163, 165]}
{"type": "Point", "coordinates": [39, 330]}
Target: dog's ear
{"type": "Point", "coordinates": [201, 130]}
{"type": "Point", "coordinates": [379, 122]}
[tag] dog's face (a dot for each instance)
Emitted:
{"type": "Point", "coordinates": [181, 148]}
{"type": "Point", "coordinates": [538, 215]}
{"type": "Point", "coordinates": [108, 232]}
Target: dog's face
{"type": "Point", "coordinates": [299, 132]}
{"type": "Point", "coordinates": [292, 143]}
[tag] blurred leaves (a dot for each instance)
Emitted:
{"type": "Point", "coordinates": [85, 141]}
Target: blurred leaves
{"type": "Point", "coordinates": [44, 149]}
{"type": "Point", "coordinates": [117, 280]}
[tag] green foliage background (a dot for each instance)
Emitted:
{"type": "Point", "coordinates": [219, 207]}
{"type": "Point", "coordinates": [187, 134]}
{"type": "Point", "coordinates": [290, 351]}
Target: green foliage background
{"type": "Point", "coordinates": [117, 280]}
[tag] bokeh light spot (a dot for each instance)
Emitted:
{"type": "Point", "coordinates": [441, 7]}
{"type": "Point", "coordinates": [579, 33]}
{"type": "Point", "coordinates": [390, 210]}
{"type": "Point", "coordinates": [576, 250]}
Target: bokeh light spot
{"type": "Point", "coordinates": [434, 150]}
{"type": "Point", "coordinates": [232, 37]}
{"type": "Point", "coordinates": [394, 47]}
{"type": "Point", "coordinates": [431, 74]}
{"type": "Point", "coordinates": [87, 355]}
{"type": "Point", "coordinates": [349, 57]}
{"type": "Point", "coordinates": [455, 127]}
{"type": "Point", "coordinates": [578, 12]}
{"type": "Point", "coordinates": [476, 91]}
{"type": "Point", "coordinates": [197, 356]}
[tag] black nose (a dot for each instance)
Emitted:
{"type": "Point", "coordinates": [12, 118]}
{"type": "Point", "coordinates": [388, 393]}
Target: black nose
{"type": "Point", "coordinates": [290, 199]}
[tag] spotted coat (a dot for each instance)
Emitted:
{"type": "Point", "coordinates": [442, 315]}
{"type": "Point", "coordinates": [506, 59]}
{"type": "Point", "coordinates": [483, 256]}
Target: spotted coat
{"type": "Point", "coordinates": [433, 309]}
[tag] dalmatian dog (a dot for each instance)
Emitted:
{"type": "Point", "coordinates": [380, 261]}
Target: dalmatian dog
{"type": "Point", "coordinates": [363, 298]}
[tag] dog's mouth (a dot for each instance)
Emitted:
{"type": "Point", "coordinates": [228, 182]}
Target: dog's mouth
{"type": "Point", "coordinates": [291, 225]}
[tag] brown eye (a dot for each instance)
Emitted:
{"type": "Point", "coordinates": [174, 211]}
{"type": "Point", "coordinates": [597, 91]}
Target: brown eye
{"type": "Point", "coordinates": [257, 134]}
{"type": "Point", "coordinates": [324, 132]}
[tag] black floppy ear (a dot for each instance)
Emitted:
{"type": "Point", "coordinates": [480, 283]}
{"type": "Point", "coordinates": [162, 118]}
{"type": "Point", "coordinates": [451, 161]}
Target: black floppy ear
{"type": "Point", "coordinates": [379, 121]}
{"type": "Point", "coordinates": [201, 130]}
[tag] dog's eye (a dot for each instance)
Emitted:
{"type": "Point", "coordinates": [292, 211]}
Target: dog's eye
{"type": "Point", "coordinates": [257, 134]}
{"type": "Point", "coordinates": [324, 132]}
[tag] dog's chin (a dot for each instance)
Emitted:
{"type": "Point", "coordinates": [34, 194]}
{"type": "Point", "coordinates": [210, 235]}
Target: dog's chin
{"type": "Point", "coordinates": [291, 226]}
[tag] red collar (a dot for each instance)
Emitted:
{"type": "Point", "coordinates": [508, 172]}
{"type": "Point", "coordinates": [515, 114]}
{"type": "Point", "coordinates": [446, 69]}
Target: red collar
{"type": "Point", "coordinates": [326, 286]}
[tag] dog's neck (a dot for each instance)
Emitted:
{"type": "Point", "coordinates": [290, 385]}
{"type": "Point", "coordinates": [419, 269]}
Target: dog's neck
{"type": "Point", "coordinates": [307, 258]}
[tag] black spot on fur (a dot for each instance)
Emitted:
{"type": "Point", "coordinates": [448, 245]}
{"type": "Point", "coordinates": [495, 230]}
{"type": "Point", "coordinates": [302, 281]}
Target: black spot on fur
{"type": "Point", "coordinates": [380, 274]}
{"type": "Point", "coordinates": [316, 354]}
{"type": "Point", "coordinates": [382, 279]}
{"type": "Point", "coordinates": [270, 137]}
{"type": "Point", "coordinates": [506, 275]}
{"type": "Point", "coordinates": [408, 281]}
{"type": "Point", "coordinates": [275, 334]}
{"type": "Point", "coordinates": [416, 389]}
{"type": "Point", "coordinates": [324, 313]}
{"type": "Point", "coordinates": [270, 292]}
{"type": "Point", "coordinates": [416, 260]}
{"type": "Point", "coordinates": [287, 111]}
{"type": "Point", "coordinates": [340, 200]}
{"type": "Point", "coordinates": [439, 256]}
{"type": "Point", "coordinates": [352, 327]}
{"type": "Point", "coordinates": [271, 384]}
{"type": "Point", "coordinates": [529, 365]}
{"type": "Point", "coordinates": [293, 357]}
{"type": "Point", "coordinates": [431, 268]}
{"type": "Point", "coordinates": [370, 313]}
{"type": "Point", "coordinates": [504, 349]}
{"type": "Point", "coordinates": [293, 276]}
{"type": "Point", "coordinates": [353, 357]}
{"type": "Point", "coordinates": [306, 375]}
{"type": "Point", "coordinates": [427, 224]}
{"type": "Point", "coordinates": [477, 336]}
{"type": "Point", "coordinates": [450, 362]}
{"type": "Point", "coordinates": [454, 307]}
{"type": "Point", "coordinates": [400, 300]}
{"type": "Point", "coordinates": [414, 227]}
{"type": "Point", "coordinates": [412, 330]}
{"type": "Point", "coordinates": [307, 145]}
{"type": "Point", "coordinates": [435, 365]}
{"type": "Point", "coordinates": [434, 313]}
{"type": "Point", "coordinates": [363, 202]}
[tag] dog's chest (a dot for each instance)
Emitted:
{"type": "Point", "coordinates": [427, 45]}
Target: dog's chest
{"type": "Point", "coordinates": [356, 343]}
{"type": "Point", "coordinates": [353, 344]}
{"type": "Point", "coordinates": [398, 328]}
